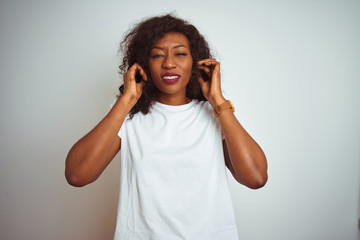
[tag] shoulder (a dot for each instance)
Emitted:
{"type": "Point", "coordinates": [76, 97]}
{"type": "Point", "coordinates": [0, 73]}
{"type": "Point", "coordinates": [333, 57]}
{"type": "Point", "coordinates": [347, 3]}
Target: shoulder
{"type": "Point", "coordinates": [205, 107]}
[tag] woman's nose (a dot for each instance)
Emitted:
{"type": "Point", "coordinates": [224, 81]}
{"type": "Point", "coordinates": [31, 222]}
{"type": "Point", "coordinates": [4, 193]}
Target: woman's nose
{"type": "Point", "coordinates": [169, 62]}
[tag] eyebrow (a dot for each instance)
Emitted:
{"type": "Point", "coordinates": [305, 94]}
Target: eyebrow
{"type": "Point", "coordinates": [177, 46]}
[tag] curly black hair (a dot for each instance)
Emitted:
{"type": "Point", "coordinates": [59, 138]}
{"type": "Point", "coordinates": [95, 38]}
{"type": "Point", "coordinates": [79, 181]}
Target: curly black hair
{"type": "Point", "coordinates": [136, 47]}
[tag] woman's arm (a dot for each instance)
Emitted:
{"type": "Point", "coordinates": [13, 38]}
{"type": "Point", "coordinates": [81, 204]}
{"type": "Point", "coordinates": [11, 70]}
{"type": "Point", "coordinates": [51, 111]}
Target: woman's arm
{"type": "Point", "coordinates": [88, 158]}
{"type": "Point", "coordinates": [243, 156]}
{"type": "Point", "coordinates": [91, 154]}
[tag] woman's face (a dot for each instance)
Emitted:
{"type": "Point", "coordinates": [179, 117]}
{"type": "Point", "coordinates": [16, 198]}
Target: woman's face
{"type": "Point", "coordinates": [170, 64]}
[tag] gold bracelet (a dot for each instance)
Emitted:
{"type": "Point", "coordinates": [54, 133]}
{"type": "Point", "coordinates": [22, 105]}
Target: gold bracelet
{"type": "Point", "coordinates": [224, 106]}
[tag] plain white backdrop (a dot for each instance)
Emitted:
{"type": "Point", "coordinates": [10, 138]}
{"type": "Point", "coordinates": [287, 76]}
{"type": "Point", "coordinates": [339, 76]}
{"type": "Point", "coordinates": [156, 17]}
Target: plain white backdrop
{"type": "Point", "coordinates": [292, 69]}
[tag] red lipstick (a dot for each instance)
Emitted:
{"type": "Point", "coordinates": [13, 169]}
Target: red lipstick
{"type": "Point", "coordinates": [170, 77]}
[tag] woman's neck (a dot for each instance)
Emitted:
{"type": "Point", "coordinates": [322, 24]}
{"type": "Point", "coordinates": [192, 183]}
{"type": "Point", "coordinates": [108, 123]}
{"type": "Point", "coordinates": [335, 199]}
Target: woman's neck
{"type": "Point", "coordinates": [171, 99]}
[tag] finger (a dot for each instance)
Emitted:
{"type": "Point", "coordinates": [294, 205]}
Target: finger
{"type": "Point", "coordinates": [140, 84]}
{"type": "Point", "coordinates": [200, 62]}
{"type": "Point", "coordinates": [217, 67]}
{"type": "Point", "coordinates": [137, 68]}
{"type": "Point", "coordinates": [130, 75]}
{"type": "Point", "coordinates": [211, 63]}
{"type": "Point", "coordinates": [201, 81]}
{"type": "Point", "coordinates": [142, 72]}
{"type": "Point", "coordinates": [203, 85]}
{"type": "Point", "coordinates": [207, 70]}
{"type": "Point", "coordinates": [208, 62]}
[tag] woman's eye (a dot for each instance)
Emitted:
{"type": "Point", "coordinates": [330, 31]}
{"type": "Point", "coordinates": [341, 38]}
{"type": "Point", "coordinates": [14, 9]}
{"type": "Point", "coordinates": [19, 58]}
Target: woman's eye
{"type": "Point", "coordinates": [156, 55]}
{"type": "Point", "coordinates": [181, 54]}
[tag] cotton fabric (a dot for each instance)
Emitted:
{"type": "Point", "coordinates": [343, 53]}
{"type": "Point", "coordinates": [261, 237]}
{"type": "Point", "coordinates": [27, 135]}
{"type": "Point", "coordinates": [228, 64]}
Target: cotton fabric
{"type": "Point", "coordinates": [173, 182]}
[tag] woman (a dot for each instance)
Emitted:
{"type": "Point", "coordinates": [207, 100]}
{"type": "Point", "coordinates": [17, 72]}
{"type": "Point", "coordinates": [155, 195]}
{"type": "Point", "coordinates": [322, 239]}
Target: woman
{"type": "Point", "coordinates": [176, 132]}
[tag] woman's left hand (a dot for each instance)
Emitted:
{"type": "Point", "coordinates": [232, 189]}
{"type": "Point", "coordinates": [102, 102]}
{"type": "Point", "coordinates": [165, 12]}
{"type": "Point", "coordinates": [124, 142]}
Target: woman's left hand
{"type": "Point", "coordinates": [211, 88]}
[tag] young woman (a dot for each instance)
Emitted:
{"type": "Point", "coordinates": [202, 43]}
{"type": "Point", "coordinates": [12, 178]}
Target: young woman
{"type": "Point", "coordinates": [177, 134]}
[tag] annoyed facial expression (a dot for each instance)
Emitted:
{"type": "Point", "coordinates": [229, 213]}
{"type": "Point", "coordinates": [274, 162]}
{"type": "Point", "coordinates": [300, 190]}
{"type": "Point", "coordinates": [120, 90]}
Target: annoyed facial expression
{"type": "Point", "coordinates": [170, 64]}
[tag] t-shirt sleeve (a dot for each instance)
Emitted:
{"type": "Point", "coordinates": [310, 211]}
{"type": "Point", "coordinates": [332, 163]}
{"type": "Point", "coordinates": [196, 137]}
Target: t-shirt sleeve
{"type": "Point", "coordinates": [217, 122]}
{"type": "Point", "coordinates": [221, 130]}
{"type": "Point", "coordinates": [120, 133]}
{"type": "Point", "coordinates": [121, 129]}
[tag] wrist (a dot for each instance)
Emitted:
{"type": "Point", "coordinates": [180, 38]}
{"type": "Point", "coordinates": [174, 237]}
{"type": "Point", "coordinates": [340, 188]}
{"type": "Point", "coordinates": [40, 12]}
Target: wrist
{"type": "Point", "coordinates": [128, 101]}
{"type": "Point", "coordinates": [216, 101]}
{"type": "Point", "coordinates": [225, 106]}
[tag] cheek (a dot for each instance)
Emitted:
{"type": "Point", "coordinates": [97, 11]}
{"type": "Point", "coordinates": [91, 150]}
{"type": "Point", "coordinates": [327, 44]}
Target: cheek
{"type": "Point", "coordinates": [152, 70]}
{"type": "Point", "coordinates": [189, 68]}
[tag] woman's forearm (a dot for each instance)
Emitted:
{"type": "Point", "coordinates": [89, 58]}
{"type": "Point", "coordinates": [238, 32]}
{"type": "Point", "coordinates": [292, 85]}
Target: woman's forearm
{"type": "Point", "coordinates": [246, 157]}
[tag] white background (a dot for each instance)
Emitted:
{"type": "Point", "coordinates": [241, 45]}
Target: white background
{"type": "Point", "coordinates": [292, 69]}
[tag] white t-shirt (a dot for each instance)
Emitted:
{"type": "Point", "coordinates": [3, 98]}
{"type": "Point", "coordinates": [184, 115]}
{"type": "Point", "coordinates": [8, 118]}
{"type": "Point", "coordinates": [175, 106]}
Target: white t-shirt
{"type": "Point", "coordinates": [173, 182]}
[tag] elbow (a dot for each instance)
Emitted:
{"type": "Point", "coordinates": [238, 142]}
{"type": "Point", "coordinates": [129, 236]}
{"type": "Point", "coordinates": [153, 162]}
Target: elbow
{"type": "Point", "coordinates": [258, 182]}
{"type": "Point", "coordinates": [75, 174]}
{"type": "Point", "coordinates": [254, 182]}
{"type": "Point", "coordinates": [75, 179]}
{"type": "Point", "coordinates": [258, 177]}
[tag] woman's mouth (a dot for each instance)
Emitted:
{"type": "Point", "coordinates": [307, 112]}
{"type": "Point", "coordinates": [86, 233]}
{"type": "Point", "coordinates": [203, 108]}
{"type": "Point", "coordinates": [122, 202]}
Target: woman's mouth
{"type": "Point", "coordinates": [170, 77]}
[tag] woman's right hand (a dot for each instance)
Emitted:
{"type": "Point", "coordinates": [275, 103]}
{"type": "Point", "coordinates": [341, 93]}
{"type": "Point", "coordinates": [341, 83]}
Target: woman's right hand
{"type": "Point", "coordinates": [132, 89]}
